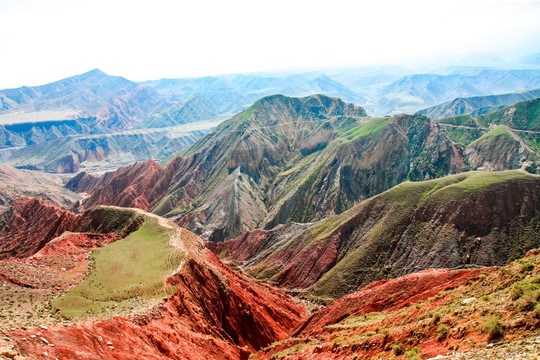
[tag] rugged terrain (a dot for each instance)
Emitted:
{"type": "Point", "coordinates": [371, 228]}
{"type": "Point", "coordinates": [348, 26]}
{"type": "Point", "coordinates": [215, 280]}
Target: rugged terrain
{"type": "Point", "coordinates": [16, 184]}
{"type": "Point", "coordinates": [485, 313]}
{"type": "Point", "coordinates": [477, 105]}
{"type": "Point", "coordinates": [284, 159]}
{"type": "Point", "coordinates": [96, 109]}
{"type": "Point", "coordinates": [475, 218]}
{"type": "Point", "coordinates": [303, 159]}
{"type": "Point", "coordinates": [376, 223]}
{"type": "Point", "coordinates": [504, 139]}
{"type": "Point", "coordinates": [151, 290]}
{"type": "Point", "coordinates": [72, 299]}
{"type": "Point", "coordinates": [98, 153]}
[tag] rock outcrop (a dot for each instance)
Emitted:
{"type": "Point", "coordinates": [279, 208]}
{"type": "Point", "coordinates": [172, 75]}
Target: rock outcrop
{"type": "Point", "coordinates": [32, 223]}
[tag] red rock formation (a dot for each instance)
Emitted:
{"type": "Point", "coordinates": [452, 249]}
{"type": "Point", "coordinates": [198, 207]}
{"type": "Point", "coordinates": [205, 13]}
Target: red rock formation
{"type": "Point", "coordinates": [31, 223]}
{"type": "Point", "coordinates": [75, 246]}
{"type": "Point", "coordinates": [140, 185]}
{"type": "Point", "coordinates": [387, 295]}
{"type": "Point", "coordinates": [129, 186]}
{"type": "Point", "coordinates": [254, 243]}
{"type": "Point", "coordinates": [216, 313]}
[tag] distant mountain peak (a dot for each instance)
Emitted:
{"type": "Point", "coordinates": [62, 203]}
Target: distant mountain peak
{"type": "Point", "coordinates": [94, 73]}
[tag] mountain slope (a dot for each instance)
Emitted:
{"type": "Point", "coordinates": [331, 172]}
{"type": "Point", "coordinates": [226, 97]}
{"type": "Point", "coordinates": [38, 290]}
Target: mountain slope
{"type": "Point", "coordinates": [500, 149]}
{"type": "Point", "coordinates": [514, 144]}
{"type": "Point", "coordinates": [524, 115]}
{"type": "Point", "coordinates": [485, 313]}
{"type": "Point", "coordinates": [477, 105]}
{"type": "Point", "coordinates": [155, 293]}
{"type": "Point", "coordinates": [471, 218]}
{"type": "Point", "coordinates": [290, 159]}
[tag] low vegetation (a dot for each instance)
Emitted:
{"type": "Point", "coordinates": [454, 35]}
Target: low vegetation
{"type": "Point", "coordinates": [464, 320]}
{"type": "Point", "coordinates": [124, 275]}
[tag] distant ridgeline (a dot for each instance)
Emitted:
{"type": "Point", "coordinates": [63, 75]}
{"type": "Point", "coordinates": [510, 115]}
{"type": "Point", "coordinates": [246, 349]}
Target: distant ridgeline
{"type": "Point", "coordinates": [95, 105]}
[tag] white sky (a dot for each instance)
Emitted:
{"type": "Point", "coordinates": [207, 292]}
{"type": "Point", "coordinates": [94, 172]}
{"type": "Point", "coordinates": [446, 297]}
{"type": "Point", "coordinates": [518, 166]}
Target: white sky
{"type": "Point", "coordinates": [46, 40]}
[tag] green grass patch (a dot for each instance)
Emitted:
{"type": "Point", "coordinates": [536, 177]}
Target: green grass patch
{"type": "Point", "coordinates": [463, 135]}
{"type": "Point", "coordinates": [130, 268]}
{"type": "Point", "coordinates": [356, 321]}
{"type": "Point", "coordinates": [499, 130]}
{"type": "Point", "coordinates": [471, 182]}
{"type": "Point", "coordinates": [292, 350]}
{"type": "Point", "coordinates": [460, 120]}
{"type": "Point", "coordinates": [371, 127]}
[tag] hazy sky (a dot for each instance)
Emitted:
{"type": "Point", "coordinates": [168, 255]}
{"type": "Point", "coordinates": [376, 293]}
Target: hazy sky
{"type": "Point", "coordinates": [45, 40]}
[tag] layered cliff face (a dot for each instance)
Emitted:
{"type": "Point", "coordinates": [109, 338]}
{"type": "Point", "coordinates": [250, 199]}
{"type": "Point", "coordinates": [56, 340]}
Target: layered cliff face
{"type": "Point", "coordinates": [129, 186]}
{"type": "Point", "coordinates": [168, 295]}
{"type": "Point", "coordinates": [472, 218]}
{"type": "Point", "coordinates": [30, 224]}
{"type": "Point", "coordinates": [450, 314]}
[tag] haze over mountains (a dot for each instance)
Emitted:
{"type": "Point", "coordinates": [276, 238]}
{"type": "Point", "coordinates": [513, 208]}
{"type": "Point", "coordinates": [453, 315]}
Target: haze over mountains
{"type": "Point", "coordinates": [272, 215]}
{"type": "Point", "coordinates": [74, 117]}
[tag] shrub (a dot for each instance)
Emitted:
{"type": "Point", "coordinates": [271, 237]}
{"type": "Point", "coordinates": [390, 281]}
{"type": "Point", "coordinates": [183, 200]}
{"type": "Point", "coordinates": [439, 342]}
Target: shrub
{"type": "Point", "coordinates": [537, 310]}
{"type": "Point", "coordinates": [493, 327]}
{"type": "Point", "coordinates": [443, 330]}
{"type": "Point", "coordinates": [529, 300]}
{"type": "Point", "coordinates": [527, 267]}
{"type": "Point", "coordinates": [516, 292]}
{"type": "Point", "coordinates": [485, 298]}
{"type": "Point", "coordinates": [398, 349]}
{"type": "Point", "coordinates": [413, 354]}
{"type": "Point", "coordinates": [436, 318]}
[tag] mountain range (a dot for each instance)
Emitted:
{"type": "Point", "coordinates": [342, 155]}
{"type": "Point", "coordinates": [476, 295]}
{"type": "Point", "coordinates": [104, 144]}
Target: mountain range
{"type": "Point", "coordinates": [94, 105]}
{"type": "Point", "coordinates": [477, 105]}
{"type": "Point", "coordinates": [303, 159]}
{"type": "Point", "coordinates": [267, 226]}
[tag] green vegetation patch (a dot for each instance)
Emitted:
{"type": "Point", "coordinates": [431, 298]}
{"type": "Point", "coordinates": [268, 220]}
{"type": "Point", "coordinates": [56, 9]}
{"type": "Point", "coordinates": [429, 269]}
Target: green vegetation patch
{"type": "Point", "coordinates": [106, 219]}
{"type": "Point", "coordinates": [461, 120]}
{"type": "Point", "coordinates": [464, 136]}
{"type": "Point", "coordinates": [126, 270]}
{"type": "Point", "coordinates": [371, 127]}
{"type": "Point", "coordinates": [498, 131]}
{"type": "Point", "coordinates": [471, 182]}
{"type": "Point", "coordinates": [524, 115]}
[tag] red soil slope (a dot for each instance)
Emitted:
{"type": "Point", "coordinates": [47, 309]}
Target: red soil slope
{"type": "Point", "coordinates": [140, 185]}
{"type": "Point", "coordinates": [427, 314]}
{"type": "Point", "coordinates": [32, 222]}
{"type": "Point", "coordinates": [216, 313]}
{"type": "Point", "coordinates": [387, 295]}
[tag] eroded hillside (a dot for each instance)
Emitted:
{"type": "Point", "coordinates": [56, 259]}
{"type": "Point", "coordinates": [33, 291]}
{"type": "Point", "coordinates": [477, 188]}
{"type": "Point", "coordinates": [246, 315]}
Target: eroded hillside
{"type": "Point", "coordinates": [168, 296]}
